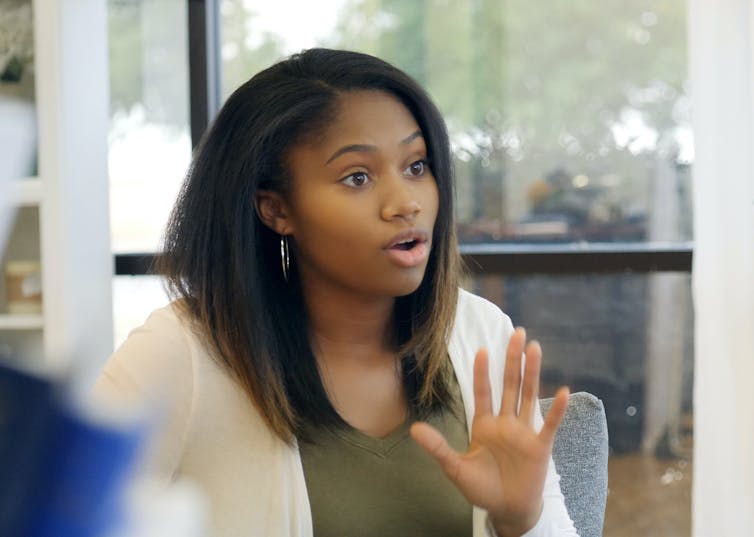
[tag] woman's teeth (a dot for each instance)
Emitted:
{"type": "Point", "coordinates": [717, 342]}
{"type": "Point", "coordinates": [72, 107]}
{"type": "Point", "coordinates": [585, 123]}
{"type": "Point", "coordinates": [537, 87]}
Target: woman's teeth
{"type": "Point", "coordinates": [405, 245]}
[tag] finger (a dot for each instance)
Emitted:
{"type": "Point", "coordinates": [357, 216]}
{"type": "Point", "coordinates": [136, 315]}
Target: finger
{"type": "Point", "coordinates": [482, 394]}
{"type": "Point", "coordinates": [530, 389]}
{"type": "Point", "coordinates": [435, 444]}
{"type": "Point", "coordinates": [555, 415]}
{"type": "Point", "coordinates": [512, 374]}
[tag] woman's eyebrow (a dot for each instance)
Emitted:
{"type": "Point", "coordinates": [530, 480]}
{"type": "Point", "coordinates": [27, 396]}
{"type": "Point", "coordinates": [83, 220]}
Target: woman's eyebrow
{"type": "Point", "coordinates": [365, 148]}
{"type": "Point", "coordinates": [353, 148]}
{"type": "Point", "coordinates": [412, 137]}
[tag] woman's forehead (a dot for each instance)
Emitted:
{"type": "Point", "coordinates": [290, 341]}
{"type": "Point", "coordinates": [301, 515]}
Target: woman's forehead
{"type": "Point", "coordinates": [369, 117]}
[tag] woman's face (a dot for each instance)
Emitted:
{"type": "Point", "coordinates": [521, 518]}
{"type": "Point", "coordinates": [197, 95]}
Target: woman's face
{"type": "Point", "coordinates": [364, 201]}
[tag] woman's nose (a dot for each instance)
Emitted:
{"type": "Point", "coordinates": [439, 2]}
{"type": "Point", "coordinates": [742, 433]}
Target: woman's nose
{"type": "Point", "coordinates": [401, 201]}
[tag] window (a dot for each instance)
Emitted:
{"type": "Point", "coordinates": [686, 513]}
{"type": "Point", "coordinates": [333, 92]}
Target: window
{"type": "Point", "coordinates": [150, 145]}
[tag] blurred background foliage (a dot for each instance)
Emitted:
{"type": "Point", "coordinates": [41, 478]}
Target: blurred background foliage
{"type": "Point", "coordinates": [557, 113]}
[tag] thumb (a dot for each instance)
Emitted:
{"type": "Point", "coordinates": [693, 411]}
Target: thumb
{"type": "Point", "coordinates": [434, 443]}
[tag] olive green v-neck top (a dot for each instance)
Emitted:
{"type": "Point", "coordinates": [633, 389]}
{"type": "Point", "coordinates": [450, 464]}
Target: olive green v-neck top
{"type": "Point", "coordinates": [361, 486]}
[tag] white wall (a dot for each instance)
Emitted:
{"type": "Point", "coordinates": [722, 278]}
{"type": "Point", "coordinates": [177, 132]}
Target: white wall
{"type": "Point", "coordinates": [721, 34]}
{"type": "Point", "coordinates": [72, 109]}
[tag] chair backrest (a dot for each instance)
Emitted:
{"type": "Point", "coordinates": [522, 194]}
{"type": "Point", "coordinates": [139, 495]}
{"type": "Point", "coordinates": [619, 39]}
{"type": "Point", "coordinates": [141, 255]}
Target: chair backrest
{"type": "Point", "coordinates": [580, 456]}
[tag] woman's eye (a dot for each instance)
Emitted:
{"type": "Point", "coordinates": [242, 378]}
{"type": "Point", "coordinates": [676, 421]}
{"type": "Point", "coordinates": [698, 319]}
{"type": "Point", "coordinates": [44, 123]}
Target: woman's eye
{"type": "Point", "coordinates": [417, 169]}
{"type": "Point", "coordinates": [356, 179]}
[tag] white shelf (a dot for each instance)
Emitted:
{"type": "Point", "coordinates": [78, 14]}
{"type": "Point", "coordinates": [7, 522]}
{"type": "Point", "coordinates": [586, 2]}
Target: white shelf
{"type": "Point", "coordinates": [21, 321]}
{"type": "Point", "coordinates": [27, 192]}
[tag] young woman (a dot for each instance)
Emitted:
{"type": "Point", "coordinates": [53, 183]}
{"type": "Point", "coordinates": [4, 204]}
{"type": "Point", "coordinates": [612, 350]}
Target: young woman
{"type": "Point", "coordinates": [323, 374]}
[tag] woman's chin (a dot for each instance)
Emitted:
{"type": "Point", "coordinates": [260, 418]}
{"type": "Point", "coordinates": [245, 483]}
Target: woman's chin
{"type": "Point", "coordinates": [407, 285]}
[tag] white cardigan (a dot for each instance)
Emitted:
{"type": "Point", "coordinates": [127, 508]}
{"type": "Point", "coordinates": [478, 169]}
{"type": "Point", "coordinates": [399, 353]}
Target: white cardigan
{"type": "Point", "coordinates": [214, 436]}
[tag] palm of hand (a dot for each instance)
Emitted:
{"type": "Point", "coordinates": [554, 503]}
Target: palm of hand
{"type": "Point", "coordinates": [505, 467]}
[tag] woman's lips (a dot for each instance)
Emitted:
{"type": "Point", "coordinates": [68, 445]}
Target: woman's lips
{"type": "Point", "coordinates": [408, 257]}
{"type": "Point", "coordinates": [409, 248]}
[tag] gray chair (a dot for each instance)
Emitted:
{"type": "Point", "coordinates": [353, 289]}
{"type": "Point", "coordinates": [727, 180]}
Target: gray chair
{"type": "Point", "coordinates": [580, 455]}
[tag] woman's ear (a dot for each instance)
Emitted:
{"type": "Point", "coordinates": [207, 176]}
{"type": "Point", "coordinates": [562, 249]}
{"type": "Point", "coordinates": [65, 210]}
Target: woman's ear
{"type": "Point", "coordinates": [273, 211]}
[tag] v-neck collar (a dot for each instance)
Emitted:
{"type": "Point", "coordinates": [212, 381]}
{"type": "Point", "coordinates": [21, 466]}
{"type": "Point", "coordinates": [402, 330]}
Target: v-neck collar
{"type": "Point", "coordinates": [381, 447]}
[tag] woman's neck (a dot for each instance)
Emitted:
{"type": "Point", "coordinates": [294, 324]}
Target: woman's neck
{"type": "Point", "coordinates": [347, 325]}
{"type": "Point", "coordinates": [353, 340]}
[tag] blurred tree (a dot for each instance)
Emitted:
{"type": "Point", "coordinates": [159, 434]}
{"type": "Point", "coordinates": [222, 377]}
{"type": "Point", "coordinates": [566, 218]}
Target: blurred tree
{"type": "Point", "coordinates": [247, 48]}
{"type": "Point", "coordinates": [595, 89]}
{"type": "Point", "coordinates": [592, 88]}
{"type": "Point", "coordinates": [125, 42]}
{"type": "Point", "coordinates": [148, 65]}
{"type": "Point", "coordinates": [136, 50]}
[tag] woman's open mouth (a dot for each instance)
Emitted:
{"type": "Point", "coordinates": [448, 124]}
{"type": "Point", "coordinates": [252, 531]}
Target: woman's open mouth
{"type": "Point", "coordinates": [409, 248]}
{"type": "Point", "coordinates": [408, 245]}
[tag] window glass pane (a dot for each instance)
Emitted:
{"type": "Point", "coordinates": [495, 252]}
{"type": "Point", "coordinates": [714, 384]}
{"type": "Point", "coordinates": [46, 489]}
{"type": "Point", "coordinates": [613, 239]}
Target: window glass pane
{"type": "Point", "coordinates": [149, 138]}
{"type": "Point", "coordinates": [570, 122]}
{"type": "Point", "coordinates": [628, 339]}
{"type": "Point", "coordinates": [134, 298]}
{"type": "Point", "coordinates": [150, 144]}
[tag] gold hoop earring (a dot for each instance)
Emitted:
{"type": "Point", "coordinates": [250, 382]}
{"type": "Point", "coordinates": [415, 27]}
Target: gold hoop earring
{"type": "Point", "coordinates": [285, 258]}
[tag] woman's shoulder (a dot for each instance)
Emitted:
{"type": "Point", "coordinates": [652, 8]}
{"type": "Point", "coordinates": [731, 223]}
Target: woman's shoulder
{"type": "Point", "coordinates": [164, 343]}
{"type": "Point", "coordinates": [173, 316]}
{"type": "Point", "coordinates": [154, 368]}
{"type": "Point", "coordinates": [171, 324]}
{"type": "Point", "coordinates": [479, 323]}
{"type": "Point", "coordinates": [476, 312]}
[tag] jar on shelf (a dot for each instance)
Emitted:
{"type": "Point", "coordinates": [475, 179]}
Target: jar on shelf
{"type": "Point", "coordinates": [23, 285]}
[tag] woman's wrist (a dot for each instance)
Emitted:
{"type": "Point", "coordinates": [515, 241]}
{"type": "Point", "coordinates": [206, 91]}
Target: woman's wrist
{"type": "Point", "coordinates": [507, 526]}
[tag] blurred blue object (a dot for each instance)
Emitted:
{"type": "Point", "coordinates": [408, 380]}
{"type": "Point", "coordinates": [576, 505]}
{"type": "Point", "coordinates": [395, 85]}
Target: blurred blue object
{"type": "Point", "coordinates": [66, 469]}
{"type": "Point", "coordinates": [26, 416]}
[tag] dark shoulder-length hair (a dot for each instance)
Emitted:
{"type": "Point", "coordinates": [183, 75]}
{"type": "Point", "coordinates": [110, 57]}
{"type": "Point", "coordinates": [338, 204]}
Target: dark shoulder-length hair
{"type": "Point", "coordinates": [223, 264]}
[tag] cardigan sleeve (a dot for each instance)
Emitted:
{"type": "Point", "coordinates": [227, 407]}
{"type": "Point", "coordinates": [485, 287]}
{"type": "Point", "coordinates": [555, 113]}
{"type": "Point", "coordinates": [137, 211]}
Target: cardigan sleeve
{"type": "Point", "coordinates": [152, 370]}
{"type": "Point", "coordinates": [554, 521]}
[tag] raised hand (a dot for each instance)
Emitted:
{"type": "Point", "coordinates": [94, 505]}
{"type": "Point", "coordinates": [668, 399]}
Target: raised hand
{"type": "Point", "coordinates": [505, 467]}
